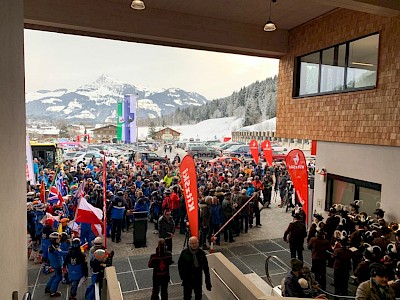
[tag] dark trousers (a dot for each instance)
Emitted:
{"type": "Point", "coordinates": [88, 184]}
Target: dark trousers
{"type": "Point", "coordinates": [213, 229]}
{"type": "Point", "coordinates": [168, 244]}
{"type": "Point", "coordinates": [156, 289]}
{"type": "Point", "coordinates": [228, 235]}
{"type": "Point", "coordinates": [203, 235]}
{"type": "Point", "coordinates": [341, 281]}
{"type": "Point", "coordinates": [244, 223]}
{"type": "Point", "coordinates": [187, 292]}
{"type": "Point", "coordinates": [257, 213]}
{"type": "Point", "coordinates": [267, 196]}
{"type": "Point", "coordinates": [318, 267]}
{"type": "Point", "coordinates": [296, 249]}
{"type": "Point", "coordinates": [116, 229]}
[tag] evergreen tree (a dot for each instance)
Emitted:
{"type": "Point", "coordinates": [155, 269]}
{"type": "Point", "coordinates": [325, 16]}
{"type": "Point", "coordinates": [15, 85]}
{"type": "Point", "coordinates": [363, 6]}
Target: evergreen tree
{"type": "Point", "coordinates": [152, 131]}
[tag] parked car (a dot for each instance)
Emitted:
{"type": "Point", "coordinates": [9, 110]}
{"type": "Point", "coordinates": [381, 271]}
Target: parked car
{"type": "Point", "coordinates": [278, 155]}
{"type": "Point", "coordinates": [70, 155]}
{"type": "Point", "coordinates": [87, 156]}
{"type": "Point", "coordinates": [227, 145]}
{"type": "Point", "coordinates": [149, 156]}
{"type": "Point", "coordinates": [202, 151]}
{"type": "Point", "coordinates": [238, 151]}
{"type": "Point", "coordinates": [278, 147]}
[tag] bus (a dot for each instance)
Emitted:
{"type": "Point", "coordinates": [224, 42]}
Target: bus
{"type": "Point", "coordinates": [49, 153]}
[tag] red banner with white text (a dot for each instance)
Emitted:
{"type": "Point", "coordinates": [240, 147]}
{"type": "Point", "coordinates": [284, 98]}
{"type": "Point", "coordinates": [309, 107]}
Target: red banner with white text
{"type": "Point", "coordinates": [104, 200]}
{"type": "Point", "coordinates": [267, 150]}
{"type": "Point", "coordinates": [189, 188]}
{"type": "Point", "coordinates": [297, 166]}
{"type": "Point", "coordinates": [254, 150]}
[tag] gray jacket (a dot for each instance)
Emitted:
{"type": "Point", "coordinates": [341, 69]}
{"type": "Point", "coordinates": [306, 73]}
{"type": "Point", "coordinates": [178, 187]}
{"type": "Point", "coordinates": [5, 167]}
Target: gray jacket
{"type": "Point", "coordinates": [369, 290]}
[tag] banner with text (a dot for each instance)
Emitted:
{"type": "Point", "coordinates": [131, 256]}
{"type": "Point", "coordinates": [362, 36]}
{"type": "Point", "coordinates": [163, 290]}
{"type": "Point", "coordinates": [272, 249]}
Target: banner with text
{"type": "Point", "coordinates": [120, 121]}
{"type": "Point", "coordinates": [254, 150]}
{"type": "Point", "coordinates": [267, 150]}
{"type": "Point", "coordinates": [189, 185]}
{"type": "Point", "coordinates": [298, 171]}
{"type": "Point", "coordinates": [131, 121]}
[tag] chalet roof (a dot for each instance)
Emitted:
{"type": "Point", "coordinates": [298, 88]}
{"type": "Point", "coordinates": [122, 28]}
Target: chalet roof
{"type": "Point", "coordinates": [103, 127]}
{"type": "Point", "coordinates": [167, 128]}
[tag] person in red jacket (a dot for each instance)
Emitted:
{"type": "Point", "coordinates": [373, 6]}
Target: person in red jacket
{"type": "Point", "coordinates": [160, 262]}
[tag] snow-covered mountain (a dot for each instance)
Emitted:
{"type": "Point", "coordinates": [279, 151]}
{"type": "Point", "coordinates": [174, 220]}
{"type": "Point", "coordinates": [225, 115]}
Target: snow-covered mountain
{"type": "Point", "coordinates": [96, 102]}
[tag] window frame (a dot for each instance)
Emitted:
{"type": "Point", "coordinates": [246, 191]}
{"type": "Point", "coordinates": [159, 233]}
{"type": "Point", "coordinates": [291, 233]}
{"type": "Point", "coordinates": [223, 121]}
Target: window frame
{"type": "Point", "coordinates": [297, 71]}
{"type": "Point", "coordinates": [357, 183]}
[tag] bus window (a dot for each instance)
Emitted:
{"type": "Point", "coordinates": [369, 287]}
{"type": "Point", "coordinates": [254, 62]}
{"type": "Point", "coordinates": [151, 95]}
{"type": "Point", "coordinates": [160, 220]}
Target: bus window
{"type": "Point", "coordinates": [47, 153]}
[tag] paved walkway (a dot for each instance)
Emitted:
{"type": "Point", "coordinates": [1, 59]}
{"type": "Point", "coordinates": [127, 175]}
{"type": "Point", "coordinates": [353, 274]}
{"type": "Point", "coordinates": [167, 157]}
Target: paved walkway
{"type": "Point", "coordinates": [248, 253]}
{"type": "Point", "coordinates": [131, 262]}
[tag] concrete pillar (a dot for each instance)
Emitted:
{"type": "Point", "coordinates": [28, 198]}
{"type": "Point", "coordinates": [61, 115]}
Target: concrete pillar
{"type": "Point", "coordinates": [13, 252]}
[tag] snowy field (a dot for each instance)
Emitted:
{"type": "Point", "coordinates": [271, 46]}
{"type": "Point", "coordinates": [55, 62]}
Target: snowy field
{"type": "Point", "coordinates": [214, 128]}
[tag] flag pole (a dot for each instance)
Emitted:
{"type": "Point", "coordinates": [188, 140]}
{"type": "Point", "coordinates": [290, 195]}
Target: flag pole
{"type": "Point", "coordinates": [52, 183]}
{"type": "Point", "coordinates": [104, 202]}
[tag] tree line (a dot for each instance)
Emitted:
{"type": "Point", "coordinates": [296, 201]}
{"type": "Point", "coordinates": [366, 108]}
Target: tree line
{"type": "Point", "coordinates": [254, 103]}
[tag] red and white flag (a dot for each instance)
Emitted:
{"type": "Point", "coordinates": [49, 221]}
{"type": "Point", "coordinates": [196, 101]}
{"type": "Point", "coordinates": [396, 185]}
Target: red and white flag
{"type": "Point", "coordinates": [87, 213]}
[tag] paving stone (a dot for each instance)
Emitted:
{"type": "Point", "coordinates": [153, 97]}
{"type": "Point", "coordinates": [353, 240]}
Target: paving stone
{"type": "Point", "coordinates": [240, 265]}
{"type": "Point", "coordinates": [127, 282]}
{"type": "Point", "coordinates": [243, 250]}
{"type": "Point", "coordinates": [144, 278]}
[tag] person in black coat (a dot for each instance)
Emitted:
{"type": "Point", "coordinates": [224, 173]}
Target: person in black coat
{"type": "Point", "coordinates": [295, 234]}
{"type": "Point", "coordinates": [160, 262]}
{"type": "Point", "coordinates": [191, 265]}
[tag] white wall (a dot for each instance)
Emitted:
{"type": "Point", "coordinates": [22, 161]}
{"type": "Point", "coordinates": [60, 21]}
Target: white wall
{"type": "Point", "coordinates": [378, 164]}
{"type": "Point", "coordinates": [13, 254]}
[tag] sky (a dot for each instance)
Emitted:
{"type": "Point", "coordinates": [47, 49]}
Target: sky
{"type": "Point", "coordinates": [54, 61]}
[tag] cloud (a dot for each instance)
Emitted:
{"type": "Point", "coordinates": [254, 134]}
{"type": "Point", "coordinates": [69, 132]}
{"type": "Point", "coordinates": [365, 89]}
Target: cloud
{"type": "Point", "coordinates": [55, 60]}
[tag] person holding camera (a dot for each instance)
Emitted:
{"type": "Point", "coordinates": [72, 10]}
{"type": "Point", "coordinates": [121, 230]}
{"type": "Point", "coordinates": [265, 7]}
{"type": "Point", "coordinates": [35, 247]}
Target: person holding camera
{"type": "Point", "coordinates": [377, 287]}
{"type": "Point", "coordinates": [191, 265]}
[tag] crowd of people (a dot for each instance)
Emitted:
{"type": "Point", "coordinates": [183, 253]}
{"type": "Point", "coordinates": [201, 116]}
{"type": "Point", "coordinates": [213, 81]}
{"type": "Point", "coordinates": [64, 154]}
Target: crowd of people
{"type": "Point", "coordinates": [350, 242]}
{"type": "Point", "coordinates": [223, 187]}
{"type": "Point", "coordinates": [231, 194]}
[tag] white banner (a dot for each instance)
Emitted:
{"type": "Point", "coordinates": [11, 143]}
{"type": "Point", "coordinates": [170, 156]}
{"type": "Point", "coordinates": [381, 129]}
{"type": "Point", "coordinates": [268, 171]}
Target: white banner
{"type": "Point", "coordinates": [30, 176]}
{"type": "Point", "coordinates": [132, 117]}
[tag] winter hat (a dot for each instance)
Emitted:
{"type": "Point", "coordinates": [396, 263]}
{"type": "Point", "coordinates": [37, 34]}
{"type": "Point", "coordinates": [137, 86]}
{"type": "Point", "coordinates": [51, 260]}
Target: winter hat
{"type": "Point", "coordinates": [296, 264]}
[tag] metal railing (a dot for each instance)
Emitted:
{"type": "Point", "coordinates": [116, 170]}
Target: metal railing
{"type": "Point", "coordinates": [27, 296]}
{"type": "Point", "coordinates": [224, 283]}
{"type": "Point", "coordinates": [269, 280]}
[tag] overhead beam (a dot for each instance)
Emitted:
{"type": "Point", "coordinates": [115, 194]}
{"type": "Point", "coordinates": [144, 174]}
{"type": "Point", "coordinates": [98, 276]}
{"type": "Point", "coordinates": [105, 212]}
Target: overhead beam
{"type": "Point", "coordinates": [100, 18]}
{"type": "Point", "coordinates": [385, 8]}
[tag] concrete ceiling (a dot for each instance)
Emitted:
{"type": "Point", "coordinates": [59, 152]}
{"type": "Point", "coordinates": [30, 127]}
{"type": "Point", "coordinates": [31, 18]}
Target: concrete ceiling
{"type": "Point", "coordinates": [234, 26]}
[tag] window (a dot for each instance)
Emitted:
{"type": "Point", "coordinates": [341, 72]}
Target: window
{"type": "Point", "coordinates": [345, 67]}
{"type": "Point", "coordinates": [344, 190]}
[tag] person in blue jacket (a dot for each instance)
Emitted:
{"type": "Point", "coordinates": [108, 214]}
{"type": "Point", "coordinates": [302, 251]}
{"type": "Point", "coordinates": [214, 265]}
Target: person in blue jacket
{"type": "Point", "coordinates": [56, 258]}
{"type": "Point", "coordinates": [48, 229]}
{"type": "Point", "coordinates": [215, 218]}
{"type": "Point", "coordinates": [117, 207]}
{"type": "Point", "coordinates": [76, 264]}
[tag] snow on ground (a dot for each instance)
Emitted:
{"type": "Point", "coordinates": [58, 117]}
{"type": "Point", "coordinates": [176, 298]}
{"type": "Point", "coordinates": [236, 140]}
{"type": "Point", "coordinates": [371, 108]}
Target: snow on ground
{"type": "Point", "coordinates": [212, 129]}
{"type": "Point", "coordinates": [267, 125]}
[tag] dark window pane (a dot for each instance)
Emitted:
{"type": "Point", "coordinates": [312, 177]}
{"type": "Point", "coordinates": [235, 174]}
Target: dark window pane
{"type": "Point", "coordinates": [332, 69]}
{"type": "Point", "coordinates": [363, 62]}
{"type": "Point", "coordinates": [309, 73]}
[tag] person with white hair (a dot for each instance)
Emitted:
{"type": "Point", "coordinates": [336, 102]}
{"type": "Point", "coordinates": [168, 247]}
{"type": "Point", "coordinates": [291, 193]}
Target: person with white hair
{"type": "Point", "coordinates": [192, 264]}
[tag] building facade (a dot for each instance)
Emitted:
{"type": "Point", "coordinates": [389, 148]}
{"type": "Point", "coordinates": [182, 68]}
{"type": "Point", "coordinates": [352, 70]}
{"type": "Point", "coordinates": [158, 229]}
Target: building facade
{"type": "Point", "coordinates": [167, 134]}
{"type": "Point", "coordinates": [105, 133]}
{"type": "Point", "coordinates": [340, 86]}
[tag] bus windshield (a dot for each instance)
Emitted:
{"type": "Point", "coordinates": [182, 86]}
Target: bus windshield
{"type": "Point", "coordinates": [48, 154]}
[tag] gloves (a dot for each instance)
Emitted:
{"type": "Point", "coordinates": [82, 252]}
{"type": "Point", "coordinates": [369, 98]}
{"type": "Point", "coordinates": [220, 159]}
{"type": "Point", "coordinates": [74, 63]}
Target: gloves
{"type": "Point", "coordinates": [208, 285]}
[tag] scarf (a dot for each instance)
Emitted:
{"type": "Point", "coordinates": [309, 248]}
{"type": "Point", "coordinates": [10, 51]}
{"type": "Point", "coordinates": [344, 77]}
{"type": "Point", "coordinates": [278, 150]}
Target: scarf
{"type": "Point", "coordinates": [195, 261]}
{"type": "Point", "coordinates": [383, 291]}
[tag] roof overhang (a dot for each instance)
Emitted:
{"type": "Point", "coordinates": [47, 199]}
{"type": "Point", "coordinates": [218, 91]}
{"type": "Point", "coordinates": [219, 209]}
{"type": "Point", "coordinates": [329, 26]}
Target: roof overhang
{"type": "Point", "coordinates": [223, 26]}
